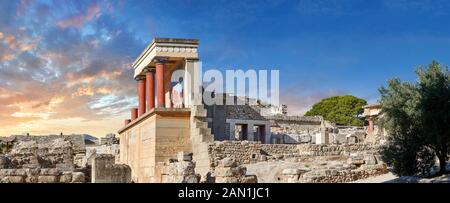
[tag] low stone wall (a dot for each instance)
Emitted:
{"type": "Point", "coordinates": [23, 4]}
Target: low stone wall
{"type": "Point", "coordinates": [34, 154]}
{"type": "Point", "coordinates": [52, 175]}
{"type": "Point", "coordinates": [245, 152]}
{"type": "Point", "coordinates": [331, 175]}
{"type": "Point", "coordinates": [49, 141]}
{"type": "Point", "coordinates": [104, 170]}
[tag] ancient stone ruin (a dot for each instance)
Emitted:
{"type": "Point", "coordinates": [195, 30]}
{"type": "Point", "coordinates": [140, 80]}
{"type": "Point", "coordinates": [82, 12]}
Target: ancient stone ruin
{"type": "Point", "coordinates": [59, 159]}
{"type": "Point", "coordinates": [174, 136]}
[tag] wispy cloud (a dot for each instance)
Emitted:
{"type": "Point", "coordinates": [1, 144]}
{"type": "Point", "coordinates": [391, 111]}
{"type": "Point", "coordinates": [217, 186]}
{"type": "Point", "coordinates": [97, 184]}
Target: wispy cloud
{"type": "Point", "coordinates": [51, 73]}
{"type": "Point", "coordinates": [79, 19]}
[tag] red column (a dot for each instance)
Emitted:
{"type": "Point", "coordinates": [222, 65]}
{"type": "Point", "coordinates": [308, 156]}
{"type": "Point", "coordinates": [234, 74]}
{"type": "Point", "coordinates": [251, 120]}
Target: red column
{"type": "Point", "coordinates": [160, 84]}
{"type": "Point", "coordinates": [370, 129]}
{"type": "Point", "coordinates": [150, 87]}
{"type": "Point", "coordinates": [134, 113]}
{"type": "Point", "coordinates": [141, 94]}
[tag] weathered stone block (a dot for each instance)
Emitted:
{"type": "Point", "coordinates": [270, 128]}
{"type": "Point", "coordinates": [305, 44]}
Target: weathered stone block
{"type": "Point", "coordinates": [105, 171]}
{"type": "Point", "coordinates": [227, 180]}
{"type": "Point", "coordinates": [191, 179]}
{"type": "Point", "coordinates": [31, 166]}
{"type": "Point", "coordinates": [65, 178]}
{"type": "Point", "coordinates": [78, 177]}
{"type": "Point", "coordinates": [47, 179]}
{"type": "Point", "coordinates": [184, 168]}
{"type": "Point", "coordinates": [184, 156]}
{"type": "Point", "coordinates": [227, 162]}
{"type": "Point", "coordinates": [224, 172]}
{"type": "Point", "coordinates": [31, 179]}
{"type": "Point", "coordinates": [65, 167]}
{"type": "Point", "coordinates": [5, 162]}
{"type": "Point", "coordinates": [249, 179]}
{"type": "Point", "coordinates": [15, 179]}
{"type": "Point", "coordinates": [304, 138]}
{"type": "Point", "coordinates": [230, 171]}
{"type": "Point", "coordinates": [50, 172]}
{"type": "Point", "coordinates": [17, 172]}
{"type": "Point", "coordinates": [370, 159]}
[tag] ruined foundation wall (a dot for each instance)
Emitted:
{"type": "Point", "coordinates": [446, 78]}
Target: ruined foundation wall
{"type": "Point", "coordinates": [332, 175]}
{"type": "Point", "coordinates": [37, 175]}
{"type": "Point", "coordinates": [247, 152]}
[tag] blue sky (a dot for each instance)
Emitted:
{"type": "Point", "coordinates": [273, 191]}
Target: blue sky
{"type": "Point", "coordinates": [69, 61]}
{"type": "Point", "coordinates": [321, 47]}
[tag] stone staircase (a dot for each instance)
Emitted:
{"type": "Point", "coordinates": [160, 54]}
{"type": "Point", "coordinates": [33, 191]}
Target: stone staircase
{"type": "Point", "coordinates": [201, 137]}
{"type": "Point", "coordinates": [199, 130]}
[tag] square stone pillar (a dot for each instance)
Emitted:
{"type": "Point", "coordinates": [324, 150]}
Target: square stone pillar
{"type": "Point", "coordinates": [192, 83]}
{"type": "Point", "coordinates": [250, 132]}
{"type": "Point", "coordinates": [232, 130]}
{"type": "Point", "coordinates": [323, 137]}
{"type": "Point", "coordinates": [268, 134]}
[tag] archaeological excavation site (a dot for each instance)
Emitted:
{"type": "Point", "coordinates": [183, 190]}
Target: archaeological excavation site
{"type": "Point", "coordinates": [174, 136]}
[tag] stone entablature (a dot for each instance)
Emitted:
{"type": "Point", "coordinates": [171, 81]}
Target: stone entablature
{"type": "Point", "coordinates": [159, 111]}
{"type": "Point", "coordinates": [166, 47]}
{"type": "Point", "coordinates": [372, 110]}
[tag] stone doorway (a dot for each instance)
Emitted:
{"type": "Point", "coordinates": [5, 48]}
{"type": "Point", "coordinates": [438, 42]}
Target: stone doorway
{"type": "Point", "coordinates": [241, 132]}
{"type": "Point", "coordinates": [259, 133]}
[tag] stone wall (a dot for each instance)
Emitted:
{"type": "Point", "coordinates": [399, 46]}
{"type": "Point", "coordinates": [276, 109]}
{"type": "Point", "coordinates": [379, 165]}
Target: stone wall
{"type": "Point", "coordinates": [245, 152]}
{"type": "Point", "coordinates": [77, 141]}
{"type": "Point", "coordinates": [36, 154]}
{"type": "Point", "coordinates": [219, 117]}
{"type": "Point", "coordinates": [332, 175]}
{"type": "Point", "coordinates": [104, 170]}
{"type": "Point", "coordinates": [44, 175]}
{"type": "Point", "coordinates": [304, 129]}
{"type": "Point", "coordinates": [295, 129]}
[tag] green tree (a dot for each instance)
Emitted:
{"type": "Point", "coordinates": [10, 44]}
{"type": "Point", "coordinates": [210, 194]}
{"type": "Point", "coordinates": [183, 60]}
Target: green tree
{"type": "Point", "coordinates": [341, 110]}
{"type": "Point", "coordinates": [417, 118]}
